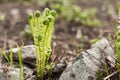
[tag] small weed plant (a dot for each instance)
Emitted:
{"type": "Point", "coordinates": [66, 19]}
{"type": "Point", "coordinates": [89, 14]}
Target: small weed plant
{"type": "Point", "coordinates": [117, 51]}
{"type": "Point", "coordinates": [117, 43]}
{"type": "Point", "coordinates": [42, 26]}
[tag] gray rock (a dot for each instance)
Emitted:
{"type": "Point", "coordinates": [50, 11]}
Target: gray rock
{"type": "Point", "coordinates": [29, 58]}
{"type": "Point", "coordinates": [88, 62]}
{"type": "Point", "coordinates": [27, 72]}
{"type": "Point", "coordinates": [28, 54]}
{"type": "Point", "coordinates": [14, 73]}
{"type": "Point", "coordinates": [33, 78]}
{"type": "Point", "coordinates": [3, 76]}
{"type": "Point", "coordinates": [7, 73]}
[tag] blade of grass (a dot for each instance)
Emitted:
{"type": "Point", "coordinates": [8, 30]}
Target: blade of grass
{"type": "Point", "coordinates": [20, 61]}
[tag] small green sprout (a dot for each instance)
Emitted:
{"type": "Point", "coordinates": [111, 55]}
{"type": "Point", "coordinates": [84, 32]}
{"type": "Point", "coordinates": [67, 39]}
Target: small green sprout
{"type": "Point", "coordinates": [117, 42]}
{"type": "Point", "coordinates": [42, 27]}
{"type": "Point", "coordinates": [20, 63]}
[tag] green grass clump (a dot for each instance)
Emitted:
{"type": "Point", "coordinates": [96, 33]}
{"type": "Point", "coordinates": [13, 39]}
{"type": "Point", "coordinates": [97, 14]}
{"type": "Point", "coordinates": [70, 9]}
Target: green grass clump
{"type": "Point", "coordinates": [9, 58]}
{"type": "Point", "coordinates": [42, 26]}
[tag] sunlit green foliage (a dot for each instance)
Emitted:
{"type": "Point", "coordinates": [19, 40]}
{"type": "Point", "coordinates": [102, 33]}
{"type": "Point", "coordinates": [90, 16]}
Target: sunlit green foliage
{"type": "Point", "coordinates": [72, 12]}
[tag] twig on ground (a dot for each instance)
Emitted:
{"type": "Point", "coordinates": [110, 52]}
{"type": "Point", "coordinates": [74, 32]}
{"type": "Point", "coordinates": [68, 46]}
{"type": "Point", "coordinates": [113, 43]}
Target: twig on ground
{"type": "Point", "coordinates": [107, 77]}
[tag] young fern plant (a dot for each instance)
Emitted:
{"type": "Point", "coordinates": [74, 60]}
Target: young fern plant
{"type": "Point", "coordinates": [42, 27]}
